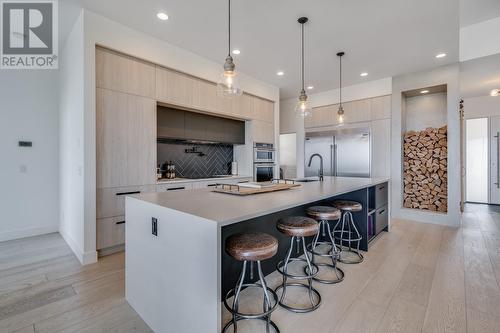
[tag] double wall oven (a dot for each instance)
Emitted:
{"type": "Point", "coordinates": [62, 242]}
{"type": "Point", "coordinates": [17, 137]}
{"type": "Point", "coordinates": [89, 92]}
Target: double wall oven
{"type": "Point", "coordinates": [263, 162]}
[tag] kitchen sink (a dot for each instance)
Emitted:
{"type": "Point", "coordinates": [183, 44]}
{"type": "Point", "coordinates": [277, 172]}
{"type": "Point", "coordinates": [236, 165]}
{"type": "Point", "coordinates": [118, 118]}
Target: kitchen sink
{"type": "Point", "coordinates": [306, 180]}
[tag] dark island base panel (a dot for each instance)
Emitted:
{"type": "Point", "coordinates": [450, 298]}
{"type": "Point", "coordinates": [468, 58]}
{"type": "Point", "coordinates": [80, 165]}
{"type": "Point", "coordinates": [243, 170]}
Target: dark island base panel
{"type": "Point", "coordinates": [231, 268]}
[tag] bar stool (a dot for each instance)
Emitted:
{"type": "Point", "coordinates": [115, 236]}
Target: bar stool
{"type": "Point", "coordinates": [324, 214]}
{"type": "Point", "coordinates": [348, 233]}
{"type": "Point", "coordinates": [251, 247]}
{"type": "Point", "coordinates": [298, 227]}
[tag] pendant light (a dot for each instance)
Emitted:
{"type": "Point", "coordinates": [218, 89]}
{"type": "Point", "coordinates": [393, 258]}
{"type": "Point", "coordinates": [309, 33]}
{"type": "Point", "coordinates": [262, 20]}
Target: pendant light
{"type": "Point", "coordinates": [340, 111]}
{"type": "Point", "coordinates": [228, 83]}
{"type": "Point", "coordinates": [303, 108]}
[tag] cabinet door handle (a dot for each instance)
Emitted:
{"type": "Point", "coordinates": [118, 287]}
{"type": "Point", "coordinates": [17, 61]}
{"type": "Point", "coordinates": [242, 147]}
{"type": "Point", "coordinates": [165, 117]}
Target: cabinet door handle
{"type": "Point", "coordinates": [176, 188]}
{"type": "Point", "coordinates": [211, 185]}
{"type": "Point", "coordinates": [381, 212]}
{"type": "Point", "coordinates": [381, 188]}
{"type": "Point", "coordinates": [120, 222]}
{"type": "Point", "coordinates": [128, 193]}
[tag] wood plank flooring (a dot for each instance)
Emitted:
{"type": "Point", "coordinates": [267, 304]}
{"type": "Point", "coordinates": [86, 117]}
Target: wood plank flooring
{"type": "Point", "coordinates": [417, 278]}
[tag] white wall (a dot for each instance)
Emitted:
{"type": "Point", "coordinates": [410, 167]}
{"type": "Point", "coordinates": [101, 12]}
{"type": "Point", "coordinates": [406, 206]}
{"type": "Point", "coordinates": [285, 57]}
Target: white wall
{"type": "Point", "coordinates": [448, 75]}
{"type": "Point", "coordinates": [288, 154]}
{"type": "Point", "coordinates": [477, 160]}
{"type": "Point", "coordinates": [425, 111]}
{"type": "Point", "coordinates": [78, 114]}
{"type": "Point", "coordinates": [480, 40]}
{"type": "Point", "coordinates": [290, 123]}
{"type": "Point", "coordinates": [28, 111]}
{"type": "Point", "coordinates": [483, 106]}
{"type": "Point", "coordinates": [72, 140]}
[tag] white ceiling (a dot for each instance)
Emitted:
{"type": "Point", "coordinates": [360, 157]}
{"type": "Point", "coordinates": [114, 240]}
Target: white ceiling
{"type": "Point", "coordinates": [381, 37]}
{"type": "Point", "coordinates": [475, 11]}
{"type": "Point", "coordinates": [479, 76]}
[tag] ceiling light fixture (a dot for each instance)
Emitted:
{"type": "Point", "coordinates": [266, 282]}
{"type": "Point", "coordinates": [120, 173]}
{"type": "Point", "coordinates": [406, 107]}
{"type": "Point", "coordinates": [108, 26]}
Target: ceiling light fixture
{"type": "Point", "coordinates": [303, 108]}
{"type": "Point", "coordinates": [310, 87]}
{"type": "Point", "coordinates": [340, 111]}
{"type": "Point", "coordinates": [280, 73]}
{"type": "Point", "coordinates": [495, 92]}
{"type": "Point", "coordinates": [424, 91]}
{"type": "Point", "coordinates": [363, 74]}
{"type": "Point", "coordinates": [440, 55]}
{"type": "Point", "coordinates": [162, 16]}
{"type": "Point", "coordinates": [236, 51]}
{"type": "Point", "coordinates": [228, 83]}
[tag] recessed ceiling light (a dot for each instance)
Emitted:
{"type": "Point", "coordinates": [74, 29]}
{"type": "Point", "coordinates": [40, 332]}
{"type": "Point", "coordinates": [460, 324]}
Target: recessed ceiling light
{"type": "Point", "coordinates": [310, 87]}
{"type": "Point", "coordinates": [440, 55]}
{"type": "Point", "coordinates": [162, 16]}
{"type": "Point", "coordinates": [363, 74]}
{"type": "Point", "coordinates": [424, 91]}
{"type": "Point", "coordinates": [495, 92]}
{"type": "Point", "coordinates": [280, 73]}
{"type": "Point", "coordinates": [236, 51]}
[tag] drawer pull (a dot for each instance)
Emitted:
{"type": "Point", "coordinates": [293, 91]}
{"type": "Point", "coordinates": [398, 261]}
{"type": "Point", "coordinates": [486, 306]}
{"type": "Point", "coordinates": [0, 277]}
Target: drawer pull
{"type": "Point", "coordinates": [211, 185]}
{"type": "Point", "coordinates": [128, 193]}
{"type": "Point", "coordinates": [381, 188]}
{"type": "Point", "coordinates": [176, 188]}
{"type": "Point", "coordinates": [381, 212]}
{"type": "Point", "coordinates": [245, 181]}
{"type": "Point", "coordinates": [120, 222]}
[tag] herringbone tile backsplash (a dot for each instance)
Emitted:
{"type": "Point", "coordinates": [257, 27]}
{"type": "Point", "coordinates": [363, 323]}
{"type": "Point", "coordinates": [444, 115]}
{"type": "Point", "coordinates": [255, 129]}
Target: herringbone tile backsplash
{"type": "Point", "coordinates": [216, 160]}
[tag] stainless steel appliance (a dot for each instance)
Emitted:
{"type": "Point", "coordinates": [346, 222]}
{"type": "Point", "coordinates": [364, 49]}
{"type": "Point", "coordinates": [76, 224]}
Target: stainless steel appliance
{"type": "Point", "coordinates": [263, 162]}
{"type": "Point", "coordinates": [263, 153]}
{"type": "Point", "coordinates": [345, 153]}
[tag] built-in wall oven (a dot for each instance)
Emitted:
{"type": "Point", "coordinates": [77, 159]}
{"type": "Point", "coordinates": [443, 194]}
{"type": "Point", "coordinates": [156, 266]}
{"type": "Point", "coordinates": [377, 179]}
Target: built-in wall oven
{"type": "Point", "coordinates": [263, 162]}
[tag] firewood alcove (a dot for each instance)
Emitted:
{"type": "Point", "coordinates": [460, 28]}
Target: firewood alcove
{"type": "Point", "coordinates": [425, 149]}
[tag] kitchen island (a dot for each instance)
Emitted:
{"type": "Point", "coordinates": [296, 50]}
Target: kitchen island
{"type": "Point", "coordinates": [176, 267]}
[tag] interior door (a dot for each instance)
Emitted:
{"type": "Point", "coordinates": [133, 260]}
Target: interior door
{"type": "Point", "coordinates": [495, 160]}
{"type": "Point", "coordinates": [319, 145]}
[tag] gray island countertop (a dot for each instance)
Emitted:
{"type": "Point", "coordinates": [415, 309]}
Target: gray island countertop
{"type": "Point", "coordinates": [226, 209]}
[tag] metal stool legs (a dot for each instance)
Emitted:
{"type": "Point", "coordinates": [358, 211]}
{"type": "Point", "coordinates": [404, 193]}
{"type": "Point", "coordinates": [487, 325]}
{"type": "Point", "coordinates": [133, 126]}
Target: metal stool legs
{"type": "Point", "coordinates": [348, 221]}
{"type": "Point", "coordinates": [282, 267]}
{"type": "Point", "coordinates": [269, 305]}
{"type": "Point", "coordinates": [333, 253]}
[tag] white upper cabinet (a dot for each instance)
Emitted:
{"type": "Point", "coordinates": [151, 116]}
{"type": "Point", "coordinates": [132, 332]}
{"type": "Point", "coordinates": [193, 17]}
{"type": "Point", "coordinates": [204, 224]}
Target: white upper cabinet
{"type": "Point", "coordinates": [124, 74]}
{"type": "Point", "coordinates": [381, 107]}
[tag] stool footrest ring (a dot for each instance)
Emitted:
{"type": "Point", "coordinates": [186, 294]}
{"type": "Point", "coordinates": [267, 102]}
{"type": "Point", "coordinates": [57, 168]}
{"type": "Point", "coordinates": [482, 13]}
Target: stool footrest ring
{"type": "Point", "coordinates": [271, 323]}
{"type": "Point", "coordinates": [230, 294]}
{"type": "Point", "coordinates": [340, 273]}
{"type": "Point", "coordinates": [355, 261]}
{"type": "Point", "coordinates": [279, 268]}
{"type": "Point", "coordinates": [300, 310]}
{"type": "Point", "coordinates": [326, 255]}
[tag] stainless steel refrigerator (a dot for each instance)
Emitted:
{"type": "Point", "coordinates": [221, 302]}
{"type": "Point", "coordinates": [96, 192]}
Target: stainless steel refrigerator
{"type": "Point", "coordinates": [345, 152]}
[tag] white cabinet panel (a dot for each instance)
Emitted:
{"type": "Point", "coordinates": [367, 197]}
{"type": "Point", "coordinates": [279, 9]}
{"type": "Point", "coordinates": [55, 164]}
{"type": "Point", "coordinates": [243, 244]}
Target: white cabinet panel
{"type": "Point", "coordinates": [381, 147]}
{"type": "Point", "coordinates": [173, 187]}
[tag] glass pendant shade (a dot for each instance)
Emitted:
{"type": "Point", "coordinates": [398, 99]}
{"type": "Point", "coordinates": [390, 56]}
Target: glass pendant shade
{"type": "Point", "coordinates": [340, 114]}
{"type": "Point", "coordinates": [228, 84]}
{"type": "Point", "coordinates": [303, 108]}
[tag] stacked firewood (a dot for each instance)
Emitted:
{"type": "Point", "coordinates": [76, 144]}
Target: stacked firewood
{"type": "Point", "coordinates": [425, 169]}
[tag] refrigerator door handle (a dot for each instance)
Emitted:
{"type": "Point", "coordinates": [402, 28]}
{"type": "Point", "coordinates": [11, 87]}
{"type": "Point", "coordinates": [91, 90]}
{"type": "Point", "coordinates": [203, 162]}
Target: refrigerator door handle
{"type": "Point", "coordinates": [334, 160]}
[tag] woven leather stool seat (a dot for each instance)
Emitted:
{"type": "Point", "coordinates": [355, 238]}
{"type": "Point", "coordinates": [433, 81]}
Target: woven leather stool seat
{"type": "Point", "coordinates": [346, 205]}
{"type": "Point", "coordinates": [251, 246]}
{"type": "Point", "coordinates": [299, 226]}
{"type": "Point", "coordinates": [324, 213]}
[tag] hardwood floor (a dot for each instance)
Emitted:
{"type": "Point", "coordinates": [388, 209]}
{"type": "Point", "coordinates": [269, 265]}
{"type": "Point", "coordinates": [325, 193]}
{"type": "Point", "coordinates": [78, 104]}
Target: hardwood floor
{"type": "Point", "coordinates": [417, 278]}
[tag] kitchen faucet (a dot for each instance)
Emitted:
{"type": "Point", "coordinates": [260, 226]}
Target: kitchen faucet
{"type": "Point", "coordinates": [320, 165]}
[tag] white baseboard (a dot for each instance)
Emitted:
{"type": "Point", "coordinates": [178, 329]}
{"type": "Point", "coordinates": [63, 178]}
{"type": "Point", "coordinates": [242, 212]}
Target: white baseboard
{"type": "Point", "coordinates": [29, 232]}
{"type": "Point", "coordinates": [85, 258]}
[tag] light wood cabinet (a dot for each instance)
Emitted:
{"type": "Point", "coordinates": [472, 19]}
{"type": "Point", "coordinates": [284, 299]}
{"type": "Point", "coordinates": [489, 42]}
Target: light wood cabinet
{"type": "Point", "coordinates": [126, 139]}
{"type": "Point", "coordinates": [381, 107]}
{"type": "Point", "coordinates": [111, 201]}
{"type": "Point", "coordinates": [124, 74]}
{"type": "Point", "coordinates": [381, 147]}
{"type": "Point", "coordinates": [357, 111]}
{"type": "Point", "coordinates": [262, 131]}
{"type": "Point", "coordinates": [173, 187]}
{"type": "Point", "coordinates": [322, 116]}
{"type": "Point", "coordinates": [110, 232]}
{"type": "Point", "coordinates": [263, 110]}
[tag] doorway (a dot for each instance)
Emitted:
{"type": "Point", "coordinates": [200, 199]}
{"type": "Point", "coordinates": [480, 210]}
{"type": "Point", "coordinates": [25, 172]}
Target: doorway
{"type": "Point", "coordinates": [476, 165]}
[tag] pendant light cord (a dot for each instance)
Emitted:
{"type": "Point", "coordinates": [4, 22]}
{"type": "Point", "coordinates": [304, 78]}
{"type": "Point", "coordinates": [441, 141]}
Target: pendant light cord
{"type": "Point", "coordinates": [229, 28]}
{"type": "Point", "coordinates": [303, 57]}
{"type": "Point", "coordinates": [340, 81]}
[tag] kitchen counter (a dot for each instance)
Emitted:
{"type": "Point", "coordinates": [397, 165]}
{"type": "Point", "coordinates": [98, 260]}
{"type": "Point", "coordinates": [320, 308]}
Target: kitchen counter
{"type": "Point", "coordinates": [176, 266]}
{"type": "Point", "coordinates": [226, 209]}
{"type": "Point", "coordinates": [191, 180]}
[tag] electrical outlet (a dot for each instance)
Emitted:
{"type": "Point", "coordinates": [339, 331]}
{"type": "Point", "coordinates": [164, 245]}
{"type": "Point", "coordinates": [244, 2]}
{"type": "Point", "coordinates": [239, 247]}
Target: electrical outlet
{"type": "Point", "coordinates": [154, 226]}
